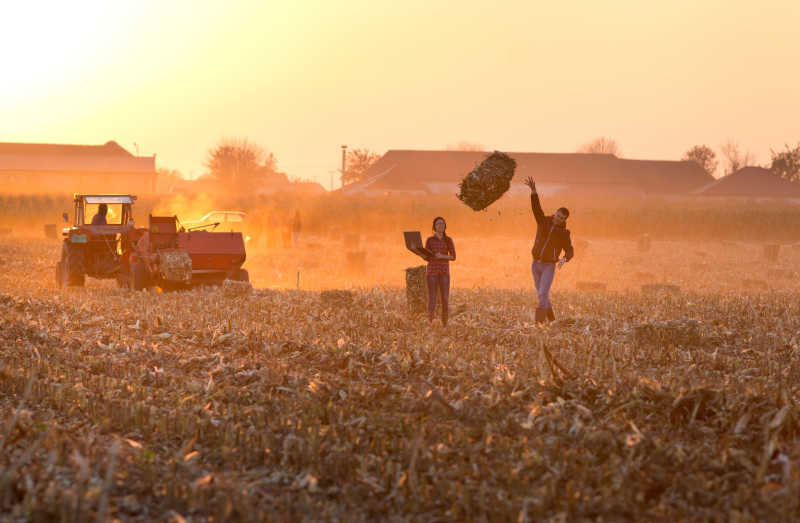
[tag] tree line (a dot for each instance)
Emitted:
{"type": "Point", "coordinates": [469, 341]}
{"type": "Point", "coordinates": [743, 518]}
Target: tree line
{"type": "Point", "coordinates": [242, 166]}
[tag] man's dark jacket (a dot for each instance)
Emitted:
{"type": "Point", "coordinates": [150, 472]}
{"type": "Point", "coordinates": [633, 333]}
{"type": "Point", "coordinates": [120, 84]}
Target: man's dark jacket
{"type": "Point", "coordinates": [551, 239]}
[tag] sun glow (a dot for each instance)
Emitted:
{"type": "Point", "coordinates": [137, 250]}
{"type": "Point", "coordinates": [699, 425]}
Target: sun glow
{"type": "Point", "coordinates": [43, 41]}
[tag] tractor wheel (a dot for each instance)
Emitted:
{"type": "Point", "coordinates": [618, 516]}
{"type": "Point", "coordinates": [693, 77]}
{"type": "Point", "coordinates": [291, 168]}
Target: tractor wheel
{"type": "Point", "coordinates": [73, 270]}
{"type": "Point", "coordinates": [138, 277]}
{"type": "Point", "coordinates": [242, 275]}
{"type": "Point", "coordinates": [58, 275]}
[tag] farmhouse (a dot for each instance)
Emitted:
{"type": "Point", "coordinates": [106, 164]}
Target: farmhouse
{"type": "Point", "coordinates": [435, 172]}
{"type": "Point", "coordinates": [753, 183]}
{"type": "Point", "coordinates": [108, 168]}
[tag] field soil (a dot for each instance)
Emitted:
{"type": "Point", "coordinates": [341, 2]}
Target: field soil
{"type": "Point", "coordinates": [667, 389]}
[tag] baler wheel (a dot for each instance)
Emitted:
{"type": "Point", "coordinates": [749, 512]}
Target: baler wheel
{"type": "Point", "coordinates": [138, 277]}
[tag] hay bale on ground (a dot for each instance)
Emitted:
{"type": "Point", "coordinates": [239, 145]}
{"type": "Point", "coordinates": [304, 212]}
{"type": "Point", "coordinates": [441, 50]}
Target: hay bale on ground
{"type": "Point", "coordinates": [336, 298]}
{"type": "Point", "coordinates": [748, 283]}
{"type": "Point", "coordinates": [643, 243]}
{"type": "Point", "coordinates": [488, 181]}
{"type": "Point", "coordinates": [590, 286]}
{"type": "Point", "coordinates": [50, 231]}
{"type": "Point", "coordinates": [236, 288]}
{"type": "Point", "coordinates": [660, 288]}
{"type": "Point", "coordinates": [781, 274]}
{"type": "Point", "coordinates": [417, 289]}
{"type": "Point", "coordinates": [683, 331]}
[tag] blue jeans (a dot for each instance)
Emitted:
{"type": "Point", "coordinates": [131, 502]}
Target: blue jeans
{"type": "Point", "coordinates": [442, 282]}
{"type": "Point", "coordinates": [543, 274]}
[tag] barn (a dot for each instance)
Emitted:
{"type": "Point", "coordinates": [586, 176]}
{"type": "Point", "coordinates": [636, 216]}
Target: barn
{"type": "Point", "coordinates": [438, 172]}
{"type": "Point", "coordinates": [751, 183]}
{"type": "Point", "coordinates": [47, 168]}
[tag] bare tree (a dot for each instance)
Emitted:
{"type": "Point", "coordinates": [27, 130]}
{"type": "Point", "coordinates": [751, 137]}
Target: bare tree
{"type": "Point", "coordinates": [358, 162]}
{"type": "Point", "coordinates": [239, 165]}
{"type": "Point", "coordinates": [703, 156]}
{"type": "Point", "coordinates": [786, 164]}
{"type": "Point", "coordinates": [735, 158]}
{"type": "Point", "coordinates": [464, 145]}
{"type": "Point", "coordinates": [601, 145]}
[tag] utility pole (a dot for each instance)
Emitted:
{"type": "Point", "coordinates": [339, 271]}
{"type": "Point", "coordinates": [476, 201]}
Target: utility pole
{"type": "Point", "coordinates": [344, 157]}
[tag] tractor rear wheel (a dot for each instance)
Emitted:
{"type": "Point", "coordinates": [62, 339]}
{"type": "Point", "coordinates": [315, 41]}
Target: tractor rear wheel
{"type": "Point", "coordinates": [138, 277]}
{"type": "Point", "coordinates": [73, 270]}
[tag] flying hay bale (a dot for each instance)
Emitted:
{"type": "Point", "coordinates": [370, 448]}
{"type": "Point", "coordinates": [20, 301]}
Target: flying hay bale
{"type": "Point", "coordinates": [488, 181]}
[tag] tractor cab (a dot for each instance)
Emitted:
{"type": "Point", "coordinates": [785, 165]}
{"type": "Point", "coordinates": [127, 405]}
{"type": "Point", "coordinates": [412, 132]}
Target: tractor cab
{"type": "Point", "coordinates": [99, 235]}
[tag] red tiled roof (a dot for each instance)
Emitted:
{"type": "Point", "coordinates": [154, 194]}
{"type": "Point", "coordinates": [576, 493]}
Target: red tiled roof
{"type": "Point", "coordinates": [110, 157]}
{"type": "Point", "coordinates": [753, 182]}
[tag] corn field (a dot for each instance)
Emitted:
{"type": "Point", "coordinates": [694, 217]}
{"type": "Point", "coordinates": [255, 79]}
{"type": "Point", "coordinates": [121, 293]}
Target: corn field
{"type": "Point", "coordinates": [673, 401]}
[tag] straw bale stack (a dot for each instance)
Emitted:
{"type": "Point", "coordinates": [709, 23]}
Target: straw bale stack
{"type": "Point", "coordinates": [488, 181]}
{"type": "Point", "coordinates": [175, 265]}
{"type": "Point", "coordinates": [236, 288]}
{"type": "Point", "coordinates": [681, 332]}
{"type": "Point", "coordinates": [416, 289]}
{"type": "Point", "coordinates": [336, 298]}
{"type": "Point", "coordinates": [660, 288]}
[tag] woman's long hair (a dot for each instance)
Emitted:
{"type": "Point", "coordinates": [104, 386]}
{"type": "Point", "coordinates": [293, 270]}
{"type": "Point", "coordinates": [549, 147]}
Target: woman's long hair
{"type": "Point", "coordinates": [444, 233]}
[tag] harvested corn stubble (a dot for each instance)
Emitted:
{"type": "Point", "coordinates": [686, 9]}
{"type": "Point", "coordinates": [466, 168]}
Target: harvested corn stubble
{"type": "Point", "coordinates": [488, 181]}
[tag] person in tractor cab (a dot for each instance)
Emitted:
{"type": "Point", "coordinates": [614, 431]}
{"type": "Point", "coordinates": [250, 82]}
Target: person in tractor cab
{"type": "Point", "coordinates": [100, 217]}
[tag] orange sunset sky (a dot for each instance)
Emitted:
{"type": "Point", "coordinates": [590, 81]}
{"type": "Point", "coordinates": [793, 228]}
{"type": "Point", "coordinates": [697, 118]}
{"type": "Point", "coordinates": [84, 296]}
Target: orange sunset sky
{"type": "Point", "coordinates": [301, 78]}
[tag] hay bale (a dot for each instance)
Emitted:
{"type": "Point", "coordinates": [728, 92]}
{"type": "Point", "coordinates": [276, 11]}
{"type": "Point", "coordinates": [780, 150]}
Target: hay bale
{"type": "Point", "coordinates": [50, 231]}
{"type": "Point", "coordinates": [755, 284]}
{"type": "Point", "coordinates": [590, 286]}
{"type": "Point", "coordinates": [417, 289]}
{"type": "Point", "coordinates": [771, 252]}
{"type": "Point", "coordinates": [488, 181]}
{"type": "Point", "coordinates": [236, 288]}
{"type": "Point", "coordinates": [678, 332]}
{"type": "Point", "coordinates": [781, 274]}
{"type": "Point", "coordinates": [660, 288]}
{"type": "Point", "coordinates": [643, 243]}
{"type": "Point", "coordinates": [336, 298]}
{"type": "Point", "coordinates": [175, 265]}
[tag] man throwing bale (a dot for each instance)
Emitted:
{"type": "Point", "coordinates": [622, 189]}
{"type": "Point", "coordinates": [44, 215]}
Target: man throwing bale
{"type": "Point", "coordinates": [552, 236]}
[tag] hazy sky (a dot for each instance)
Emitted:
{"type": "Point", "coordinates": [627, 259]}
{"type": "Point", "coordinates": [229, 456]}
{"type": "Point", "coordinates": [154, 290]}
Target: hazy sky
{"type": "Point", "coordinates": [300, 78]}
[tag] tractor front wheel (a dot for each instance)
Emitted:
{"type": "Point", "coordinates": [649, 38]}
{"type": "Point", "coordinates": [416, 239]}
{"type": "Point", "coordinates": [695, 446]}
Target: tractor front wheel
{"type": "Point", "coordinates": [138, 277]}
{"type": "Point", "coordinates": [73, 270]}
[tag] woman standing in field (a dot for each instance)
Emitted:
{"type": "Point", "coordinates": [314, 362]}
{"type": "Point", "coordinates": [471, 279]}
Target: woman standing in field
{"type": "Point", "coordinates": [438, 271]}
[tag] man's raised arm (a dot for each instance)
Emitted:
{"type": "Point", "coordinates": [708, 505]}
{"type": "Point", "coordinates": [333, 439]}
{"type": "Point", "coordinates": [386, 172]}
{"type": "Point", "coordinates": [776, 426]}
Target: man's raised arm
{"type": "Point", "coordinates": [538, 213]}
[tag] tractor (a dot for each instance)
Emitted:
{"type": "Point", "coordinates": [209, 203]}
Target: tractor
{"type": "Point", "coordinates": [163, 255]}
